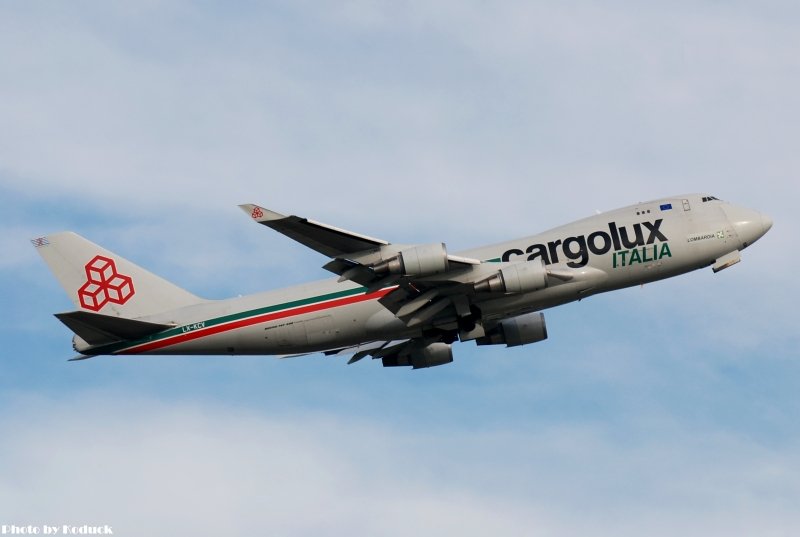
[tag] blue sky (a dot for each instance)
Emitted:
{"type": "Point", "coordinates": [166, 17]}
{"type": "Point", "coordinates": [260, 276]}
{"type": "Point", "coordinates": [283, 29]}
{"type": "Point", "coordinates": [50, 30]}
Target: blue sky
{"type": "Point", "coordinates": [663, 410]}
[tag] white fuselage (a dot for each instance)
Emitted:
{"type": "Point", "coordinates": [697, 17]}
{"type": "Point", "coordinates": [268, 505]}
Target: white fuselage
{"type": "Point", "coordinates": [621, 248]}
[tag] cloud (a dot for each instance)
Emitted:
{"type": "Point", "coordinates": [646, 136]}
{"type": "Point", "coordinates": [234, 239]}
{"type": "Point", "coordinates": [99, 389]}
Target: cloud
{"type": "Point", "coordinates": [161, 468]}
{"type": "Point", "coordinates": [445, 110]}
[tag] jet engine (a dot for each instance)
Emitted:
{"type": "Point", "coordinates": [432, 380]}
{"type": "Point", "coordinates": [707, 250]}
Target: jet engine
{"type": "Point", "coordinates": [521, 330]}
{"type": "Point", "coordinates": [424, 260]}
{"type": "Point", "coordinates": [428, 356]}
{"type": "Point", "coordinates": [517, 278]}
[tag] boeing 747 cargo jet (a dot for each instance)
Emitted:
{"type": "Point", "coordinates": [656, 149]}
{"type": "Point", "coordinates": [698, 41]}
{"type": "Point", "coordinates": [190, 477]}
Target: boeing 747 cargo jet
{"type": "Point", "coordinates": [405, 304]}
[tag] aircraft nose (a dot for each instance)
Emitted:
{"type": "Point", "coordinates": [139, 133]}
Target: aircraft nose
{"type": "Point", "coordinates": [749, 225]}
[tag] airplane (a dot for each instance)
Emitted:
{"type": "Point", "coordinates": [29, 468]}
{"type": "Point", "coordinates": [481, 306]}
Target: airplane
{"type": "Point", "coordinates": [405, 304]}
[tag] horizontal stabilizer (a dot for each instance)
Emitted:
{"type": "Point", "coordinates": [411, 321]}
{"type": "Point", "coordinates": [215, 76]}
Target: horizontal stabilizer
{"type": "Point", "coordinates": [98, 329]}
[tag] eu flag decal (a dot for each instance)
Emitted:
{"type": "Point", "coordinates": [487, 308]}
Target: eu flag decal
{"type": "Point", "coordinates": [666, 207]}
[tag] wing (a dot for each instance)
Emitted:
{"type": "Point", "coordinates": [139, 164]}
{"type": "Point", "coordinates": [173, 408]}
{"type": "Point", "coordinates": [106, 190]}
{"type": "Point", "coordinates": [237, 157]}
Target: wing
{"type": "Point", "coordinates": [426, 277]}
{"type": "Point", "coordinates": [431, 288]}
{"type": "Point", "coordinates": [351, 252]}
{"type": "Point", "coordinates": [327, 240]}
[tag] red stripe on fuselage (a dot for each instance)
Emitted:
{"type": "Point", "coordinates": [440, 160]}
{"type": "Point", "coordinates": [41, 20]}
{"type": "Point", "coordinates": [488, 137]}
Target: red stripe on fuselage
{"type": "Point", "coordinates": [218, 329]}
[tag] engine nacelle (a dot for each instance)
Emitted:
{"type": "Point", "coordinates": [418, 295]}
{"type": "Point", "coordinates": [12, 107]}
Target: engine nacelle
{"type": "Point", "coordinates": [424, 260]}
{"type": "Point", "coordinates": [521, 330]}
{"type": "Point", "coordinates": [428, 356]}
{"type": "Point", "coordinates": [517, 278]}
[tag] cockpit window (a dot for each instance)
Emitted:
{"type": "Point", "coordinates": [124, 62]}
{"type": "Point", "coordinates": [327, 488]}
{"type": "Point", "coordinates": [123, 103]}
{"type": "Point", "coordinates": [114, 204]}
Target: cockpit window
{"type": "Point", "coordinates": [709, 198]}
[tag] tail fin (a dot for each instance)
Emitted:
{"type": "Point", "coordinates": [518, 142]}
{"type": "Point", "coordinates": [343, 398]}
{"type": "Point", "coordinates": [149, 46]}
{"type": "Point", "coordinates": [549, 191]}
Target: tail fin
{"type": "Point", "coordinates": [100, 281]}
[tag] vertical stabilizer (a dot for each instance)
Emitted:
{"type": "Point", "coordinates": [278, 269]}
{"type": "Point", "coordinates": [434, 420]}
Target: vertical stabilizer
{"type": "Point", "coordinates": [100, 281]}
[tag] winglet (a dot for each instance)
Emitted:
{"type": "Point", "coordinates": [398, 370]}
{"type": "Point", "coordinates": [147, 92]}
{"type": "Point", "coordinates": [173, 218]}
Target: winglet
{"type": "Point", "coordinates": [260, 214]}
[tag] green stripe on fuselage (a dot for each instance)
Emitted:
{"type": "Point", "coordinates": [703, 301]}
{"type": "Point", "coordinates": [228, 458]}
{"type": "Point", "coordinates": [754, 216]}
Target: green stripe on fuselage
{"type": "Point", "coordinates": [178, 330]}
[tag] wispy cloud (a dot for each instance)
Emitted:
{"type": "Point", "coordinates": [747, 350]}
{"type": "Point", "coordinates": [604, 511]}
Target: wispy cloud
{"type": "Point", "coordinates": [156, 468]}
{"type": "Point", "coordinates": [445, 106]}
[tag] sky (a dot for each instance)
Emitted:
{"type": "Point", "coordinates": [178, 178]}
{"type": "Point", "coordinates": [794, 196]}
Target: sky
{"type": "Point", "coordinates": [660, 410]}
